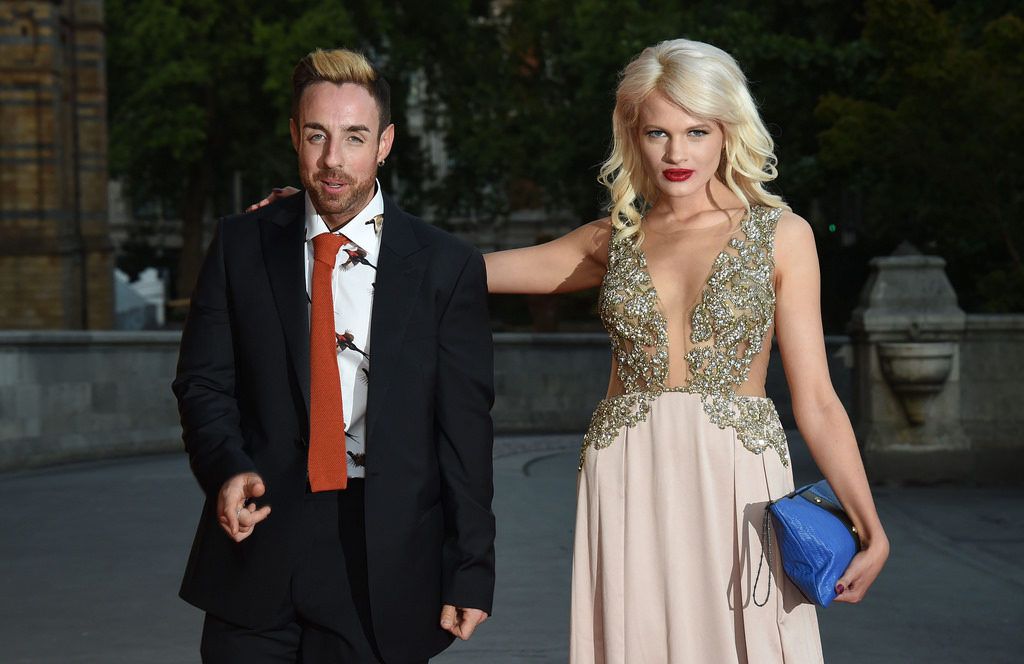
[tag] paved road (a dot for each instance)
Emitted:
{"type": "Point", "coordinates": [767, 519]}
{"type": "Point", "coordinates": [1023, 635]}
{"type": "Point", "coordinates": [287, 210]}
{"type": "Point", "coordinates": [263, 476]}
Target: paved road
{"type": "Point", "coordinates": [92, 554]}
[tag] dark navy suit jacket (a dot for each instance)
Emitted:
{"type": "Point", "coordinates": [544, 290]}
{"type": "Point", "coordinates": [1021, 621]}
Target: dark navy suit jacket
{"type": "Point", "coordinates": [243, 395]}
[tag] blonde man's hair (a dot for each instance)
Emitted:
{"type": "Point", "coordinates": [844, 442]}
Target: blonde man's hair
{"type": "Point", "coordinates": [339, 66]}
{"type": "Point", "coordinates": [706, 82]}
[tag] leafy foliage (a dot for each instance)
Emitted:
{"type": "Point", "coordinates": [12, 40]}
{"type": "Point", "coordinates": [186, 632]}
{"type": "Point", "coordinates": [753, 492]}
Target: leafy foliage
{"type": "Point", "coordinates": [931, 144]}
{"type": "Point", "coordinates": [893, 119]}
{"type": "Point", "coordinates": [186, 107]}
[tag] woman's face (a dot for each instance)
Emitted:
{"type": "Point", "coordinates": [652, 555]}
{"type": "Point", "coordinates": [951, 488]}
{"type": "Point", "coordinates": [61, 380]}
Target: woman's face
{"type": "Point", "coordinates": [681, 153]}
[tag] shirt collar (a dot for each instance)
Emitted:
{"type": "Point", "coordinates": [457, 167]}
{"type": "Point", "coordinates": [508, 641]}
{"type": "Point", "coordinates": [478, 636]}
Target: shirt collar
{"type": "Point", "coordinates": [360, 230]}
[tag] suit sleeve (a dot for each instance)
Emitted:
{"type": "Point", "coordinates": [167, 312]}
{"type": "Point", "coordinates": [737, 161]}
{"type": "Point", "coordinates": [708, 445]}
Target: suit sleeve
{"type": "Point", "coordinates": [205, 381]}
{"type": "Point", "coordinates": [465, 394]}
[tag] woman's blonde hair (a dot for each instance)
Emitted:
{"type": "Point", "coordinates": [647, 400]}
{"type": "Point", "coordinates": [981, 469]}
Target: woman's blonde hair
{"type": "Point", "coordinates": [706, 82]}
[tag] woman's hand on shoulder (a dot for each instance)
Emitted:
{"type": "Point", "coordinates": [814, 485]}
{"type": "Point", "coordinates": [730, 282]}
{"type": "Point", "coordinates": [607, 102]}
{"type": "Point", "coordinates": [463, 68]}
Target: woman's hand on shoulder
{"type": "Point", "coordinates": [576, 261]}
{"type": "Point", "coordinates": [276, 194]}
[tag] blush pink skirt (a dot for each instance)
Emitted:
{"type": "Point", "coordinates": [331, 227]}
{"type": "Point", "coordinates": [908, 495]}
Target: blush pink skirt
{"type": "Point", "coordinates": [668, 540]}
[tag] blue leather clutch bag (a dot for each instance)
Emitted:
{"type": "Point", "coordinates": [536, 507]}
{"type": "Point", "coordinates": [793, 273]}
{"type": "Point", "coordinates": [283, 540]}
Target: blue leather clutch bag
{"type": "Point", "coordinates": [817, 540]}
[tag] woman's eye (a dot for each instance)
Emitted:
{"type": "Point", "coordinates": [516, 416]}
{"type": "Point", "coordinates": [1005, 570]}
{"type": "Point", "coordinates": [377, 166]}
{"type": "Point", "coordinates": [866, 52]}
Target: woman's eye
{"type": "Point", "coordinates": [699, 133]}
{"type": "Point", "coordinates": [656, 133]}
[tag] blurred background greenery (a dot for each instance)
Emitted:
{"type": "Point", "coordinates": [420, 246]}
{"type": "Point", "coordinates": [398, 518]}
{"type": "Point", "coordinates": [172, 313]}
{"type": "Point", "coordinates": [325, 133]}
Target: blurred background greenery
{"type": "Point", "coordinates": [894, 120]}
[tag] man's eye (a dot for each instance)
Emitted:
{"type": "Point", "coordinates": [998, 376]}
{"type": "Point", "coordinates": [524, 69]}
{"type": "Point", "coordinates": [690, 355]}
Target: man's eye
{"type": "Point", "coordinates": [317, 138]}
{"type": "Point", "coordinates": [356, 139]}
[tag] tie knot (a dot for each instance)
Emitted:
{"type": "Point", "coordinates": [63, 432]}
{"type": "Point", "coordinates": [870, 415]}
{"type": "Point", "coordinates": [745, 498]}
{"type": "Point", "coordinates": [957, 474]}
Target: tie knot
{"type": "Point", "coordinates": [326, 247]}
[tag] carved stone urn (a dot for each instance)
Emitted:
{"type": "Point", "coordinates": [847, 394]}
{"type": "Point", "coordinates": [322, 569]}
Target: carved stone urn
{"type": "Point", "coordinates": [916, 372]}
{"type": "Point", "coordinates": [906, 337]}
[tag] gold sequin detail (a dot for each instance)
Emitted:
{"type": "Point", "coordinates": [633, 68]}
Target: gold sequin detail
{"type": "Point", "coordinates": [728, 328]}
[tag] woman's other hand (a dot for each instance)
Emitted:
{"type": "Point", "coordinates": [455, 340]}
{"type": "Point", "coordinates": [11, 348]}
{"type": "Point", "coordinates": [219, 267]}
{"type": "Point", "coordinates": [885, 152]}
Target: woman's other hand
{"type": "Point", "coordinates": [863, 570]}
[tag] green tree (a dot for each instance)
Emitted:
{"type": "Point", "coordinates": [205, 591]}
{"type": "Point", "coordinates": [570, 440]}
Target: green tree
{"type": "Point", "coordinates": [931, 146]}
{"type": "Point", "coordinates": [187, 108]}
{"type": "Point", "coordinates": [894, 118]}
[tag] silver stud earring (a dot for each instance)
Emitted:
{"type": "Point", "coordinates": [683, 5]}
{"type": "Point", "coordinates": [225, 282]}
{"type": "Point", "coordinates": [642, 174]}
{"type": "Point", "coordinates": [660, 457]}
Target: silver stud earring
{"type": "Point", "coordinates": [380, 163]}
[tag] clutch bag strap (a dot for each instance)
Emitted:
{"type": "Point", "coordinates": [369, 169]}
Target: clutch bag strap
{"type": "Point", "coordinates": [766, 552]}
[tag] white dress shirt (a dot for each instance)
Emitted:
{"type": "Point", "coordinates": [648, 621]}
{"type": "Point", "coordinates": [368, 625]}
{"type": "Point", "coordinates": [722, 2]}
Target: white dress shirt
{"type": "Point", "coordinates": [353, 280]}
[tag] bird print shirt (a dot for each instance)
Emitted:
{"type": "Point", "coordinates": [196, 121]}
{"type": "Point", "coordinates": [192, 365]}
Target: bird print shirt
{"type": "Point", "coordinates": [353, 279]}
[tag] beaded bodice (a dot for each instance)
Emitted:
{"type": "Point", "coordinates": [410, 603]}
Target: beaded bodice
{"type": "Point", "coordinates": [728, 324]}
{"type": "Point", "coordinates": [728, 327]}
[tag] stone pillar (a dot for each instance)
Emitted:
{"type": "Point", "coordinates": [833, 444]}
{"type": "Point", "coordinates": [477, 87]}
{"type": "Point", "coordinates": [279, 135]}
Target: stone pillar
{"type": "Point", "coordinates": [56, 260]}
{"type": "Point", "coordinates": [907, 334]}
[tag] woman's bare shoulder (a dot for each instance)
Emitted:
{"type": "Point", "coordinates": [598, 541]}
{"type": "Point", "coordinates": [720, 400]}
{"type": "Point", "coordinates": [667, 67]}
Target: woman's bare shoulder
{"type": "Point", "coordinates": [794, 238]}
{"type": "Point", "coordinates": [599, 226]}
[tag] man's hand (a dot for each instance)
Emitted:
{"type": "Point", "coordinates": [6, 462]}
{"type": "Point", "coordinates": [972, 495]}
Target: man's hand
{"type": "Point", "coordinates": [236, 518]}
{"type": "Point", "coordinates": [461, 622]}
{"type": "Point", "coordinates": [276, 194]}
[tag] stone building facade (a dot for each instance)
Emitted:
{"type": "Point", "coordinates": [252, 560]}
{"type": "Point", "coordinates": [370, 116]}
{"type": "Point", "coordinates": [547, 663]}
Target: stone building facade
{"type": "Point", "coordinates": [56, 259]}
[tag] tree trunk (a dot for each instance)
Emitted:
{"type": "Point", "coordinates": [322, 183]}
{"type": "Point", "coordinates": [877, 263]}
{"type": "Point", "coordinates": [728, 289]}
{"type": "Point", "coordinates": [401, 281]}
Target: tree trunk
{"type": "Point", "coordinates": [192, 249]}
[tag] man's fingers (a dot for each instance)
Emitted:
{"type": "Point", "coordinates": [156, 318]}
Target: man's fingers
{"type": "Point", "coordinates": [254, 487]}
{"type": "Point", "coordinates": [232, 498]}
{"type": "Point", "coordinates": [467, 622]}
{"type": "Point", "coordinates": [448, 618]}
{"type": "Point", "coordinates": [230, 514]}
{"type": "Point", "coordinates": [248, 518]}
{"type": "Point", "coordinates": [466, 628]}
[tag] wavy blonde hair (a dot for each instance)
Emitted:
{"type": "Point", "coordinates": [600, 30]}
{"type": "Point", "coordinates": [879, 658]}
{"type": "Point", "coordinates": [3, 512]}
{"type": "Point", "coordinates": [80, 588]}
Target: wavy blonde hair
{"type": "Point", "coordinates": [706, 83]}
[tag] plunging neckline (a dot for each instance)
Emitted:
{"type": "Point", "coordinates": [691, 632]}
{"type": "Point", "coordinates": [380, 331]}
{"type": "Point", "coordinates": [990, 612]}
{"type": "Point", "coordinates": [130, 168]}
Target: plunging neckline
{"type": "Point", "coordinates": [689, 310]}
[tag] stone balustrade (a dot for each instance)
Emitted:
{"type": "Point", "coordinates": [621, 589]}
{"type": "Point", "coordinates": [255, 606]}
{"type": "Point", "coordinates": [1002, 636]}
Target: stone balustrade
{"type": "Point", "coordinates": [73, 395]}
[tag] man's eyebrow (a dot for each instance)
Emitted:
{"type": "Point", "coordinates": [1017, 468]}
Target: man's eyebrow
{"type": "Point", "coordinates": [351, 129]}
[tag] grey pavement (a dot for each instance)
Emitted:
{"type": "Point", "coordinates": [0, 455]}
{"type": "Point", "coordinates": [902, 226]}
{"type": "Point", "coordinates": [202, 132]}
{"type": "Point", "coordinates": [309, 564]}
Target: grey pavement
{"type": "Point", "coordinates": [92, 554]}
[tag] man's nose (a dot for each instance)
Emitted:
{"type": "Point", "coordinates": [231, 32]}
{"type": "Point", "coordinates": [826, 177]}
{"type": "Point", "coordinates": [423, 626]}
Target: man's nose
{"type": "Point", "coordinates": [331, 157]}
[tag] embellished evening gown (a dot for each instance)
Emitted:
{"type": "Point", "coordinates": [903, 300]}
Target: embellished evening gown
{"type": "Point", "coordinates": [675, 478]}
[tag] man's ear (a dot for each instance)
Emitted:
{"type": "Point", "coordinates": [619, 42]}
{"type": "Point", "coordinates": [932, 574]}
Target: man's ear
{"type": "Point", "coordinates": [384, 143]}
{"type": "Point", "coordinates": [294, 128]}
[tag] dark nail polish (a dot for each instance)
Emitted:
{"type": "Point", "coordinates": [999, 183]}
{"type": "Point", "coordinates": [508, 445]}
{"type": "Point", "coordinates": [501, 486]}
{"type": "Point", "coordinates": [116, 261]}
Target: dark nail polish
{"type": "Point", "coordinates": [840, 589]}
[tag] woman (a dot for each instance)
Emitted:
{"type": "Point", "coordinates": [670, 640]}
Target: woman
{"type": "Point", "coordinates": [698, 266]}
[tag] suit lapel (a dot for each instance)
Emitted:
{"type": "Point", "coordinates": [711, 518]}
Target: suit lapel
{"type": "Point", "coordinates": [400, 269]}
{"type": "Point", "coordinates": [283, 235]}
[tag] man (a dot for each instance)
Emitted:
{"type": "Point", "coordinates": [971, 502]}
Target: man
{"type": "Point", "coordinates": [335, 383]}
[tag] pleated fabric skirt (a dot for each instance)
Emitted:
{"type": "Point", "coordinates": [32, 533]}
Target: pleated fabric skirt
{"type": "Point", "coordinates": [667, 545]}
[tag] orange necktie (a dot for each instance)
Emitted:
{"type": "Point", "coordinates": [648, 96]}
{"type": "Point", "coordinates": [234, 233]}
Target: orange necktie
{"type": "Point", "coordinates": [327, 464]}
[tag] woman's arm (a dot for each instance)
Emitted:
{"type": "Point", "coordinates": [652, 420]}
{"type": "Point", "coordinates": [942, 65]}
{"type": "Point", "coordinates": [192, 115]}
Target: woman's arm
{"type": "Point", "coordinates": [575, 261]}
{"type": "Point", "coordinates": [820, 415]}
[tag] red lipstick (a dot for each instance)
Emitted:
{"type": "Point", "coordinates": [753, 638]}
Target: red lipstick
{"type": "Point", "coordinates": [677, 174]}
